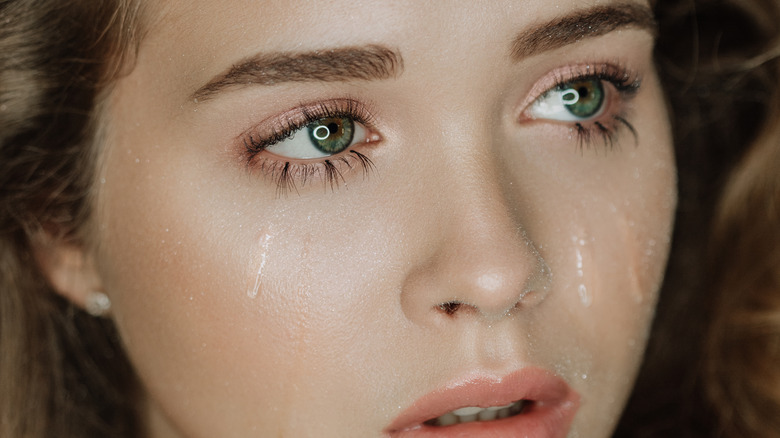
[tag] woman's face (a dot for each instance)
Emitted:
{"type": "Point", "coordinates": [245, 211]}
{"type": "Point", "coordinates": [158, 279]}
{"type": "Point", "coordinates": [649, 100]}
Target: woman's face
{"type": "Point", "coordinates": [474, 210]}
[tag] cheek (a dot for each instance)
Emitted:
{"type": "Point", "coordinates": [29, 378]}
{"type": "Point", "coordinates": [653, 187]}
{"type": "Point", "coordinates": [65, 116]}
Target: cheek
{"type": "Point", "coordinates": [618, 268]}
{"type": "Point", "coordinates": [602, 219]}
{"type": "Point", "coordinates": [212, 291]}
{"type": "Point", "coordinates": [177, 268]}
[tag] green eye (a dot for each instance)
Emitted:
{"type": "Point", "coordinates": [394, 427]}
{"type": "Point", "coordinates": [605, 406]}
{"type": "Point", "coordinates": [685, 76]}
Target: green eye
{"type": "Point", "coordinates": [583, 98]}
{"type": "Point", "coordinates": [578, 100]}
{"type": "Point", "coordinates": [324, 137]}
{"type": "Point", "coordinates": [331, 135]}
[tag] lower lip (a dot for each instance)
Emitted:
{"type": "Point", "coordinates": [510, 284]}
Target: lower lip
{"type": "Point", "coordinates": [549, 415]}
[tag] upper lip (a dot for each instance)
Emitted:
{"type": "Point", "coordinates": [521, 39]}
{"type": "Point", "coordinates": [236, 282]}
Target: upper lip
{"type": "Point", "coordinates": [537, 385]}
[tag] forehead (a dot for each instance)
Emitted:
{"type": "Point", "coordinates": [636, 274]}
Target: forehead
{"type": "Point", "coordinates": [303, 22]}
{"type": "Point", "coordinates": [189, 42]}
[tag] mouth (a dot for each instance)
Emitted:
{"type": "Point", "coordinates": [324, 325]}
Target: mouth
{"type": "Point", "coordinates": [530, 402]}
{"type": "Point", "coordinates": [472, 414]}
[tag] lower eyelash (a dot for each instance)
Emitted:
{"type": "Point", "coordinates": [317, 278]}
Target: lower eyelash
{"type": "Point", "coordinates": [587, 136]}
{"type": "Point", "coordinates": [624, 82]}
{"type": "Point", "coordinates": [288, 175]}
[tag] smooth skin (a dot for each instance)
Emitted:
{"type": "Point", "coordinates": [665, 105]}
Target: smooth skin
{"type": "Point", "coordinates": [317, 312]}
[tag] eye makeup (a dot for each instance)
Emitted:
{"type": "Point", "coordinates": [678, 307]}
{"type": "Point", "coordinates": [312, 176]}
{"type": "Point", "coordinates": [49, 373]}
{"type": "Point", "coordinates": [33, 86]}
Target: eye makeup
{"type": "Point", "coordinates": [322, 141]}
{"type": "Point", "coordinates": [589, 100]}
{"type": "Point", "coordinates": [312, 142]}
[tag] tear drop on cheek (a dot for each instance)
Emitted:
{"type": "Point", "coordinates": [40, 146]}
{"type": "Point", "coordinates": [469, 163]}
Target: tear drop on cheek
{"type": "Point", "coordinates": [265, 243]}
{"type": "Point", "coordinates": [585, 296]}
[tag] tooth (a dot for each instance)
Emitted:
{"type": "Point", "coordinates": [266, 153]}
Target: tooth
{"type": "Point", "coordinates": [503, 413]}
{"type": "Point", "coordinates": [468, 418]}
{"type": "Point", "coordinates": [473, 413]}
{"type": "Point", "coordinates": [471, 410]}
{"type": "Point", "coordinates": [487, 415]}
{"type": "Point", "coordinates": [447, 419]}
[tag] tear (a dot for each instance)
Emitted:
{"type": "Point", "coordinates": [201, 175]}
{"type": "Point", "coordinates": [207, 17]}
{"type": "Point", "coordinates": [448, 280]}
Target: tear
{"type": "Point", "coordinates": [265, 243]}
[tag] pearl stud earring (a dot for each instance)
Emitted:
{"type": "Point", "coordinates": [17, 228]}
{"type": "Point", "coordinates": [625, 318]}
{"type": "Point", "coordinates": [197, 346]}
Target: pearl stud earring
{"type": "Point", "coordinates": [97, 304]}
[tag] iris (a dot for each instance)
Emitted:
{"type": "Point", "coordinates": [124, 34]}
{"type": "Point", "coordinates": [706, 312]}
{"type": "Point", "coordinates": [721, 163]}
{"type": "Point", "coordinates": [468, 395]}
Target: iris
{"type": "Point", "coordinates": [331, 135]}
{"type": "Point", "coordinates": [583, 98]}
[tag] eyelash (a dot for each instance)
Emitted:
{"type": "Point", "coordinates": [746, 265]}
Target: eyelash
{"type": "Point", "coordinates": [288, 174]}
{"type": "Point", "coordinates": [625, 82]}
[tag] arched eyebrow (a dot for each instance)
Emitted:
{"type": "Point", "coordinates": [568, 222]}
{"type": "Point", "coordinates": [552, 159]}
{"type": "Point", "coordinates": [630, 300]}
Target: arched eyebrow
{"type": "Point", "coordinates": [375, 62]}
{"type": "Point", "coordinates": [587, 23]}
{"type": "Point", "coordinates": [372, 62]}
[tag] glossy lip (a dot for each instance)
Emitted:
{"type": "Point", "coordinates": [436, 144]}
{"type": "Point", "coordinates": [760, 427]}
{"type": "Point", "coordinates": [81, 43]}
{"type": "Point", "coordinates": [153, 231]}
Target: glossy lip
{"type": "Point", "coordinates": [549, 416]}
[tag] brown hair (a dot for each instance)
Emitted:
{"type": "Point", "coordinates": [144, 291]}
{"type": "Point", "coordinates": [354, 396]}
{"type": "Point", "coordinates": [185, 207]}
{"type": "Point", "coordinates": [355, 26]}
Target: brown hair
{"type": "Point", "coordinates": [61, 370]}
{"type": "Point", "coordinates": [742, 366]}
{"type": "Point", "coordinates": [716, 59]}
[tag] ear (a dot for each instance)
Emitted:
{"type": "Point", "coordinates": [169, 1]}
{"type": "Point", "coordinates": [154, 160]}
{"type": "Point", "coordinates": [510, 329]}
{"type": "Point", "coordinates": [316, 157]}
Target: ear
{"type": "Point", "coordinates": [68, 267]}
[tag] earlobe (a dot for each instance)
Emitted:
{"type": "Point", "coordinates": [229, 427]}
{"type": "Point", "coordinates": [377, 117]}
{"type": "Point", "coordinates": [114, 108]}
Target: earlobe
{"type": "Point", "coordinates": [71, 272]}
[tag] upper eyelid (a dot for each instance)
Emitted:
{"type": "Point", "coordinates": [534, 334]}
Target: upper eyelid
{"type": "Point", "coordinates": [573, 72]}
{"type": "Point", "coordinates": [298, 116]}
{"type": "Point", "coordinates": [363, 112]}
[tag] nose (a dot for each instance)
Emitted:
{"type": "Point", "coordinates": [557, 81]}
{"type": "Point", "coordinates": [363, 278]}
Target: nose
{"type": "Point", "coordinates": [478, 263]}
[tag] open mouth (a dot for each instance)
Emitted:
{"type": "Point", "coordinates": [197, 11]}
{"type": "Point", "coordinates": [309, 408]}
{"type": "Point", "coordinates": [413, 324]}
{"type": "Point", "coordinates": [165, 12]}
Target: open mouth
{"type": "Point", "coordinates": [473, 414]}
{"type": "Point", "coordinates": [529, 402]}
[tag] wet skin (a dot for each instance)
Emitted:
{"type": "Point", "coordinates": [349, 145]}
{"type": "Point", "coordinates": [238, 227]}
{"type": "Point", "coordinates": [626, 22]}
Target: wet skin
{"type": "Point", "coordinates": [485, 236]}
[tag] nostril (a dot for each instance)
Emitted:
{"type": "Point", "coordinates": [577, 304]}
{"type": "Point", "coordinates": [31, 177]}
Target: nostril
{"type": "Point", "coordinates": [450, 307]}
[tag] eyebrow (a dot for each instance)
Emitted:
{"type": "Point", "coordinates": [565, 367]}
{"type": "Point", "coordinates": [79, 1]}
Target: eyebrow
{"type": "Point", "coordinates": [375, 62]}
{"type": "Point", "coordinates": [588, 23]}
{"type": "Point", "coordinates": [370, 62]}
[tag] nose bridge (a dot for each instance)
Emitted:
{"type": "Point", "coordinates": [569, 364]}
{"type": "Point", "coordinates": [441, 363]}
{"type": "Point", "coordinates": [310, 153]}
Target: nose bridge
{"type": "Point", "coordinates": [495, 264]}
{"type": "Point", "coordinates": [483, 263]}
